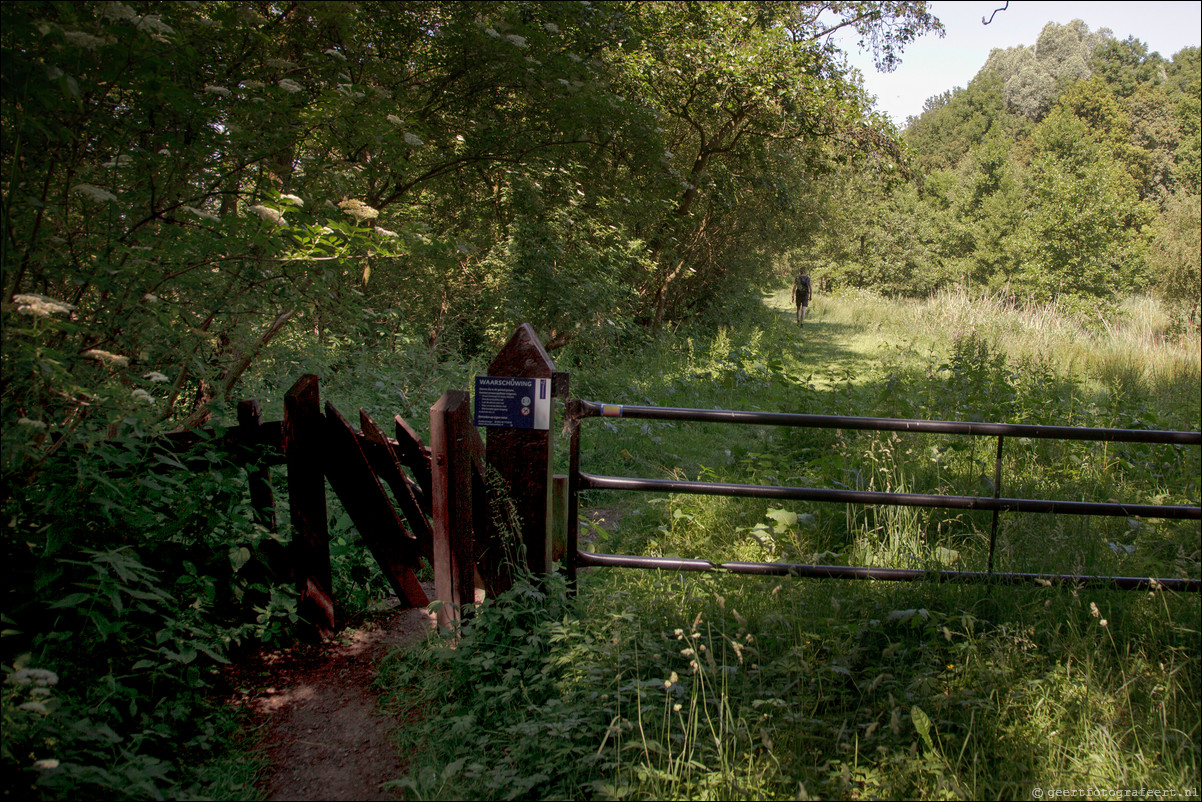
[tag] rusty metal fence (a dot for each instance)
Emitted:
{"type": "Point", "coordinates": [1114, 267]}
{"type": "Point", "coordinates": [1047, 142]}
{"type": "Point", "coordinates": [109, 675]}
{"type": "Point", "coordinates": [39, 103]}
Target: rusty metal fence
{"type": "Point", "coordinates": [579, 410]}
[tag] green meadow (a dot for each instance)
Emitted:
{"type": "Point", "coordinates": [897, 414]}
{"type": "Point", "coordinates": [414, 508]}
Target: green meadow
{"type": "Point", "coordinates": [662, 685]}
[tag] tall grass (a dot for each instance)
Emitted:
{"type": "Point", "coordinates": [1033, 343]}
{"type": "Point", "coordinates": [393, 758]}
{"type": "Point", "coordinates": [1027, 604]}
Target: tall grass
{"type": "Point", "coordinates": [659, 685]}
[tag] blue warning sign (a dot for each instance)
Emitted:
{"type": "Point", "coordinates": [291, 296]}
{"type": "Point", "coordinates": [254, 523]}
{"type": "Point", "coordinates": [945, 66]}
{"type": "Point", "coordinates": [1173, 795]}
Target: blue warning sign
{"type": "Point", "coordinates": [508, 403]}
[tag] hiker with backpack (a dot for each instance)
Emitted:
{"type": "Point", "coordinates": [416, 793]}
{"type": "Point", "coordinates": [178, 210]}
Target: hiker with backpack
{"type": "Point", "coordinates": [801, 295]}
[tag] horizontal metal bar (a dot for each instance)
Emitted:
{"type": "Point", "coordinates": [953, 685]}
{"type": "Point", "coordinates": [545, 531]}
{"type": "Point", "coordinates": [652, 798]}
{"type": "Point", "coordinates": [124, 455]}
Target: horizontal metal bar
{"type": "Point", "coordinates": [589, 409]}
{"type": "Point", "coordinates": [588, 558]}
{"type": "Point", "coordinates": [595, 482]}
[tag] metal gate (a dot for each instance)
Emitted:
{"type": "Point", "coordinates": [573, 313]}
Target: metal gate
{"type": "Point", "coordinates": [579, 410]}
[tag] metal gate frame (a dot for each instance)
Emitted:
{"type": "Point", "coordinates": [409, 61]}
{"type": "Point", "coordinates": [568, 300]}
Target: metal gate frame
{"type": "Point", "coordinates": [578, 410]}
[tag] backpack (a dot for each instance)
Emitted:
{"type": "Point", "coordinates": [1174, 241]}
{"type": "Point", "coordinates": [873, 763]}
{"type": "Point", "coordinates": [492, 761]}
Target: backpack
{"type": "Point", "coordinates": [801, 294]}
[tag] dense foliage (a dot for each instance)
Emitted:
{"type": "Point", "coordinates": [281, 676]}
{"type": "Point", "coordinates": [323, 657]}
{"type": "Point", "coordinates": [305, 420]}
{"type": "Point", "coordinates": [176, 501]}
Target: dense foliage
{"type": "Point", "coordinates": [1065, 170]}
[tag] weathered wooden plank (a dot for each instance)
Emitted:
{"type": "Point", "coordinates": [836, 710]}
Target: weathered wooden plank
{"type": "Point", "coordinates": [389, 467]}
{"type": "Point", "coordinates": [523, 456]}
{"type": "Point", "coordinates": [358, 487]}
{"type": "Point", "coordinates": [415, 456]}
{"type": "Point", "coordinates": [450, 465]}
{"type": "Point", "coordinates": [559, 516]}
{"type": "Point", "coordinates": [302, 436]}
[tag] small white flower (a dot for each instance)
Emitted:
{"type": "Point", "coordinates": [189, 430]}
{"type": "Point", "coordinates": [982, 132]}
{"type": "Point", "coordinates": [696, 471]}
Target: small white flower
{"type": "Point", "coordinates": [383, 232]}
{"type": "Point", "coordinates": [142, 395]}
{"type": "Point", "coordinates": [155, 376]}
{"type": "Point", "coordinates": [40, 305]}
{"type": "Point", "coordinates": [150, 298]}
{"type": "Point", "coordinates": [115, 360]}
{"type": "Point", "coordinates": [395, 120]}
{"type": "Point", "coordinates": [290, 85]}
{"type": "Point", "coordinates": [335, 54]}
{"type": "Point", "coordinates": [164, 152]}
{"type": "Point", "coordinates": [359, 210]}
{"type": "Point", "coordinates": [293, 199]}
{"type": "Point", "coordinates": [45, 764]}
{"type": "Point", "coordinates": [32, 424]}
{"type": "Point", "coordinates": [550, 27]}
{"type": "Point", "coordinates": [413, 140]}
{"type": "Point", "coordinates": [94, 193]}
{"type": "Point", "coordinates": [203, 214]}
{"type": "Point", "coordinates": [516, 40]}
{"type": "Point", "coordinates": [492, 33]}
{"type": "Point", "coordinates": [267, 213]}
{"type": "Point", "coordinates": [213, 89]}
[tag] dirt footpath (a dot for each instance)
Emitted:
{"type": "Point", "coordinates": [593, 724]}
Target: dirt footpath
{"type": "Point", "coordinates": [323, 736]}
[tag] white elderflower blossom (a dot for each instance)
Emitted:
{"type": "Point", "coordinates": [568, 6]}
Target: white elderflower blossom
{"type": "Point", "coordinates": [32, 424]}
{"type": "Point", "coordinates": [335, 54]}
{"type": "Point", "coordinates": [116, 360]}
{"type": "Point", "coordinates": [94, 193]}
{"type": "Point", "coordinates": [119, 11]}
{"type": "Point", "coordinates": [413, 140]}
{"type": "Point", "coordinates": [290, 85]}
{"type": "Point", "coordinates": [150, 298]}
{"type": "Point", "coordinates": [293, 199]}
{"type": "Point", "coordinates": [153, 24]}
{"type": "Point", "coordinates": [45, 764]}
{"type": "Point", "coordinates": [491, 32]}
{"type": "Point", "coordinates": [575, 58]}
{"type": "Point", "coordinates": [267, 213]}
{"type": "Point", "coordinates": [33, 707]}
{"type": "Point", "coordinates": [550, 27]}
{"type": "Point", "coordinates": [384, 232]}
{"type": "Point", "coordinates": [40, 305]}
{"type": "Point", "coordinates": [141, 395]}
{"type": "Point", "coordinates": [359, 210]}
{"type": "Point", "coordinates": [213, 89]}
{"type": "Point", "coordinates": [516, 40]}
{"type": "Point", "coordinates": [395, 120]}
{"type": "Point", "coordinates": [33, 676]}
{"type": "Point", "coordinates": [155, 376]}
{"type": "Point", "coordinates": [81, 39]}
{"type": "Point", "coordinates": [201, 213]}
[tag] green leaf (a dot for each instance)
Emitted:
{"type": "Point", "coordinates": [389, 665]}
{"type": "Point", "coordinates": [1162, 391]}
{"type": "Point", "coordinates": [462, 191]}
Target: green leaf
{"type": "Point", "coordinates": [922, 724]}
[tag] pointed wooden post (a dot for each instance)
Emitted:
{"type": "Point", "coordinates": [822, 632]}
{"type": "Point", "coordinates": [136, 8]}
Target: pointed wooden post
{"type": "Point", "coordinates": [303, 436]}
{"type": "Point", "coordinates": [522, 457]}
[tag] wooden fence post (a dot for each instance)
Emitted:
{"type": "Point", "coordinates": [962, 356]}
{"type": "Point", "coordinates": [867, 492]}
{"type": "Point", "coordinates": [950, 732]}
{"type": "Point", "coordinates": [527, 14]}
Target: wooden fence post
{"type": "Point", "coordinates": [522, 457]}
{"type": "Point", "coordinates": [451, 499]}
{"type": "Point", "coordinates": [302, 436]}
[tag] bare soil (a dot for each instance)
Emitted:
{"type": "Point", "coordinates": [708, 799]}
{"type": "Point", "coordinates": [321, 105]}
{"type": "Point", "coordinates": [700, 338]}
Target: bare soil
{"type": "Point", "coordinates": [324, 737]}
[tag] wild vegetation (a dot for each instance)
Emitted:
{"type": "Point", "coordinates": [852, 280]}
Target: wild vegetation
{"type": "Point", "coordinates": [203, 201]}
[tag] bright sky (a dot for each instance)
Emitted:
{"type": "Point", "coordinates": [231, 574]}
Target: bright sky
{"type": "Point", "coordinates": [931, 66]}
